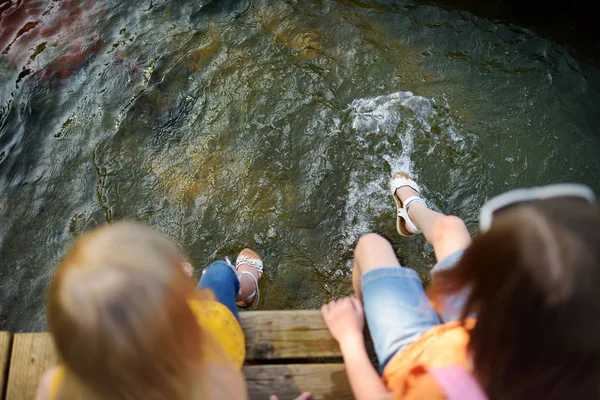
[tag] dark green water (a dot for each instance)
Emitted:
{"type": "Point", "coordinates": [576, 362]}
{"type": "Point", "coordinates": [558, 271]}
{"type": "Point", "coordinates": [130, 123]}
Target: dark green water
{"type": "Point", "coordinates": [273, 125]}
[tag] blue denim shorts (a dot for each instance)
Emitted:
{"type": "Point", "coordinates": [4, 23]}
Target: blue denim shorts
{"type": "Point", "coordinates": [397, 310]}
{"type": "Point", "coordinates": [223, 281]}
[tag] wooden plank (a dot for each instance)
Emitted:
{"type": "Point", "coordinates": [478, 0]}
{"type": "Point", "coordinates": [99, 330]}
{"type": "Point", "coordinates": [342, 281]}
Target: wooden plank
{"type": "Point", "coordinates": [296, 334]}
{"type": "Point", "coordinates": [287, 334]}
{"type": "Point", "coordinates": [32, 355]}
{"type": "Point", "coordinates": [5, 348]}
{"type": "Point", "coordinates": [324, 381]}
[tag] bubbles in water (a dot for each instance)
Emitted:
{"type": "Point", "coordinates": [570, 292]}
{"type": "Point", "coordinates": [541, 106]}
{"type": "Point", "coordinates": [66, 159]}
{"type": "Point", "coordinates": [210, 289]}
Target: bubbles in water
{"type": "Point", "coordinates": [384, 114]}
{"type": "Point", "coordinates": [385, 129]}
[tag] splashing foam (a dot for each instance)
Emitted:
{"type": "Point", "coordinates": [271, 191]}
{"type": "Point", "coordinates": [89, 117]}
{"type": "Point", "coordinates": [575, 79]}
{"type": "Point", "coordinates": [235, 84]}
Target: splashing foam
{"type": "Point", "coordinates": [383, 115]}
{"type": "Point", "coordinates": [385, 128]}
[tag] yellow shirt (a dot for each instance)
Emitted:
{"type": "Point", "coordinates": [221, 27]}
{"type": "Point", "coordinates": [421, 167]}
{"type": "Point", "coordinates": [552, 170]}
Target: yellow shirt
{"type": "Point", "coordinates": [213, 317]}
{"type": "Point", "coordinates": [217, 319]}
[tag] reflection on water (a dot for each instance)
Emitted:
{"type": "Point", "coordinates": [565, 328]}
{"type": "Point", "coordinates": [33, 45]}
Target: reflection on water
{"type": "Point", "coordinates": [271, 124]}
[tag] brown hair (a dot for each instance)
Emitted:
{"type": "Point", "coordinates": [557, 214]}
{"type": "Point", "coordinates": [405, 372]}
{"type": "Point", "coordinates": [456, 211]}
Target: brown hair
{"type": "Point", "coordinates": [534, 279]}
{"type": "Point", "coordinates": [118, 312]}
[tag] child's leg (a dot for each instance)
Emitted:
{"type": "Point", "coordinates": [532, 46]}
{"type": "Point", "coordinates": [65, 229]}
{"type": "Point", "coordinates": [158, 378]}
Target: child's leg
{"type": "Point", "coordinates": [449, 237]}
{"type": "Point", "coordinates": [232, 285]}
{"type": "Point", "coordinates": [446, 233]}
{"type": "Point", "coordinates": [396, 307]}
{"type": "Point", "coordinates": [221, 278]}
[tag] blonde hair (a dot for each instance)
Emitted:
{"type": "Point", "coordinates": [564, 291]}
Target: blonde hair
{"type": "Point", "coordinates": [118, 311]}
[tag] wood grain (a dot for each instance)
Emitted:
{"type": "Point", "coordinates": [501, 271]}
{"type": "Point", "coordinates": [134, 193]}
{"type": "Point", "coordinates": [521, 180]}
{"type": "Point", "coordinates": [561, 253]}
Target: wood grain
{"type": "Point", "coordinates": [287, 334]}
{"type": "Point", "coordinates": [298, 341]}
{"type": "Point", "coordinates": [32, 355]}
{"type": "Point", "coordinates": [297, 334]}
{"type": "Point", "coordinates": [5, 348]}
{"type": "Point", "coordinates": [324, 381]}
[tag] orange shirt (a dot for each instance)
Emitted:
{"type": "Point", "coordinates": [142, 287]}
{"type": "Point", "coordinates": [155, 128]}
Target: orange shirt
{"type": "Point", "coordinates": [406, 373]}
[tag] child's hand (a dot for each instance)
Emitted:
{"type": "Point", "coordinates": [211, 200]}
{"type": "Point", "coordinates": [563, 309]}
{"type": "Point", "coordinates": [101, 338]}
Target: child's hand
{"type": "Point", "coordinates": [188, 269]}
{"type": "Point", "coordinates": [303, 396]}
{"type": "Point", "coordinates": [345, 318]}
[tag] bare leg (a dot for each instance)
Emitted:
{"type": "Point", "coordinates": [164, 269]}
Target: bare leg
{"type": "Point", "coordinates": [446, 233]}
{"type": "Point", "coordinates": [372, 252]}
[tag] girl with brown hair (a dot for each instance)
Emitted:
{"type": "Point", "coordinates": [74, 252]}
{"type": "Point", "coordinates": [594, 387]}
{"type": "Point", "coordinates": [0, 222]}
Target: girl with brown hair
{"type": "Point", "coordinates": [512, 314]}
{"type": "Point", "coordinates": [129, 323]}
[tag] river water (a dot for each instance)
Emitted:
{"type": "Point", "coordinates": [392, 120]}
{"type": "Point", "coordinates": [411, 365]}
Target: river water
{"type": "Point", "coordinates": [269, 124]}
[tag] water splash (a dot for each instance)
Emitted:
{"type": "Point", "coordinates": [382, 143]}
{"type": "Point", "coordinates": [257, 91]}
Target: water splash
{"type": "Point", "coordinates": [384, 114]}
{"type": "Point", "coordinates": [386, 129]}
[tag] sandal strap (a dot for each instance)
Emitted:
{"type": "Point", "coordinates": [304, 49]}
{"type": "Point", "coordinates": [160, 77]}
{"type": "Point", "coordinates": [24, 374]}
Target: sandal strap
{"type": "Point", "coordinates": [254, 296]}
{"type": "Point", "coordinates": [413, 199]}
{"type": "Point", "coordinates": [399, 182]}
{"type": "Point", "coordinates": [403, 213]}
{"type": "Point", "coordinates": [253, 262]}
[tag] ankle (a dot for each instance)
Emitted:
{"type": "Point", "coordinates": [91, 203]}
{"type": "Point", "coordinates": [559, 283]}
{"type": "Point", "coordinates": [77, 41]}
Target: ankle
{"type": "Point", "coordinates": [247, 268]}
{"type": "Point", "coordinates": [247, 287]}
{"type": "Point", "coordinates": [405, 192]}
{"type": "Point", "coordinates": [414, 210]}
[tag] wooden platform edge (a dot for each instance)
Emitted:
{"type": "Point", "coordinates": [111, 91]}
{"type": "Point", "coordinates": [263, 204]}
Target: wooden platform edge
{"type": "Point", "coordinates": [5, 352]}
{"type": "Point", "coordinates": [290, 334]}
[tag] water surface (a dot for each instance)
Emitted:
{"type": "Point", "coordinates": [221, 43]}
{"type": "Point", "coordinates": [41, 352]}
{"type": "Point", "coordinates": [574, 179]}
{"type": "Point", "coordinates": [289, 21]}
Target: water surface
{"type": "Point", "coordinates": [269, 124]}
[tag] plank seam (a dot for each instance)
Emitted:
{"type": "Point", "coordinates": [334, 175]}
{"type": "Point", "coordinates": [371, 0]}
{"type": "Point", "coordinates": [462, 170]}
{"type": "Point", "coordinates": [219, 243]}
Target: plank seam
{"type": "Point", "coordinates": [7, 366]}
{"type": "Point", "coordinates": [295, 360]}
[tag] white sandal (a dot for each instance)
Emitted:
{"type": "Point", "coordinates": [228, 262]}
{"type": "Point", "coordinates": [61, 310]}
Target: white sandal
{"type": "Point", "coordinates": [404, 225]}
{"type": "Point", "coordinates": [255, 262]}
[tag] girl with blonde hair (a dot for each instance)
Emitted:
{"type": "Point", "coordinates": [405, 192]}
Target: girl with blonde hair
{"type": "Point", "coordinates": [129, 323]}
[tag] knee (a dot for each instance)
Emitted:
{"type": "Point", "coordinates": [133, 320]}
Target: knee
{"type": "Point", "coordinates": [370, 241]}
{"type": "Point", "coordinates": [218, 271]}
{"type": "Point", "coordinates": [374, 251]}
{"type": "Point", "coordinates": [449, 225]}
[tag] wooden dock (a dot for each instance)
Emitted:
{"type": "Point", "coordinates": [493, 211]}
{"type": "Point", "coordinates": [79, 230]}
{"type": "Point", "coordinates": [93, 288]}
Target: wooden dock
{"type": "Point", "coordinates": [287, 353]}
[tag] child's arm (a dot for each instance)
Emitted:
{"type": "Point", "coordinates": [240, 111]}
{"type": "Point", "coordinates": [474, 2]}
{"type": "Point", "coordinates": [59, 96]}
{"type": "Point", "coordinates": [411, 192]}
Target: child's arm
{"type": "Point", "coordinates": [345, 320]}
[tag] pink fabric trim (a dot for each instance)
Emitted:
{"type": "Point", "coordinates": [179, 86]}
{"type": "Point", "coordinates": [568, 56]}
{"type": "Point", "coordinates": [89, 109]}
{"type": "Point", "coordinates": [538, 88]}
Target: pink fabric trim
{"type": "Point", "coordinates": [457, 383]}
